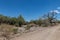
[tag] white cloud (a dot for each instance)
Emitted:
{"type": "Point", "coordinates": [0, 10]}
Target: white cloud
{"type": "Point", "coordinates": [56, 11]}
{"type": "Point", "coordinates": [58, 7]}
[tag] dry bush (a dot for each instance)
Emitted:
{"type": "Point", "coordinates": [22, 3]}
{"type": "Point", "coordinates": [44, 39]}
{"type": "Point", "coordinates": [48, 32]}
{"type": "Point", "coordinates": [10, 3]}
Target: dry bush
{"type": "Point", "coordinates": [28, 27]}
{"type": "Point", "coordinates": [7, 31]}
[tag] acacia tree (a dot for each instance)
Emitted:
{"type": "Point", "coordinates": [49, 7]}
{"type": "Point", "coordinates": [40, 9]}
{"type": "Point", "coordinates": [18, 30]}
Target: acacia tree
{"type": "Point", "coordinates": [50, 17]}
{"type": "Point", "coordinates": [20, 20]}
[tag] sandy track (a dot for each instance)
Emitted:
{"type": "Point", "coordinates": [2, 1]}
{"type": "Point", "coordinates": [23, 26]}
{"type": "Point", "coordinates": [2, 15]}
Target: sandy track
{"type": "Point", "coordinates": [51, 33]}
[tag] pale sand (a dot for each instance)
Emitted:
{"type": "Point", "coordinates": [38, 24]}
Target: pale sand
{"type": "Point", "coordinates": [50, 33]}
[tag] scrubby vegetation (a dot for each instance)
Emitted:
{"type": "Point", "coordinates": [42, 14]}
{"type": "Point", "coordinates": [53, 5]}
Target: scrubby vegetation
{"type": "Point", "coordinates": [48, 19]}
{"type": "Point", "coordinates": [6, 31]}
{"type": "Point", "coordinates": [12, 20]}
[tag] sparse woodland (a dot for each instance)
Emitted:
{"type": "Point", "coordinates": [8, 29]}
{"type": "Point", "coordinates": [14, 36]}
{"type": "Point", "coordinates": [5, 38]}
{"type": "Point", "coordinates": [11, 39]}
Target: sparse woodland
{"type": "Point", "coordinates": [48, 19]}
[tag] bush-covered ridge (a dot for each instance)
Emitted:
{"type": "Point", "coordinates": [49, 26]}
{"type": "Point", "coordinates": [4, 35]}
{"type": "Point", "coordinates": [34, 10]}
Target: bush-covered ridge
{"type": "Point", "coordinates": [12, 20]}
{"type": "Point", "coordinates": [47, 19]}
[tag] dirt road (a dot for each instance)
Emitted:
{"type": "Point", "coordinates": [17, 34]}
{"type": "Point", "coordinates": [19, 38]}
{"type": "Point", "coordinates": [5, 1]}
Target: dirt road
{"type": "Point", "coordinates": [50, 33]}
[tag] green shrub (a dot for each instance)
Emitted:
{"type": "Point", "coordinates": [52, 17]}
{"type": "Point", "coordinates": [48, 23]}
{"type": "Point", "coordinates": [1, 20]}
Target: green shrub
{"type": "Point", "coordinates": [15, 30]}
{"type": "Point", "coordinates": [28, 27]}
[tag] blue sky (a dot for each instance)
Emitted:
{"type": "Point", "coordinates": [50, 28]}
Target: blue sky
{"type": "Point", "coordinates": [30, 9]}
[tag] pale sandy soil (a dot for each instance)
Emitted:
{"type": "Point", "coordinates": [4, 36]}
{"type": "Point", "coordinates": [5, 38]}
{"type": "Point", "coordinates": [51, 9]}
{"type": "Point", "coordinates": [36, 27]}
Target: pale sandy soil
{"type": "Point", "coordinates": [50, 33]}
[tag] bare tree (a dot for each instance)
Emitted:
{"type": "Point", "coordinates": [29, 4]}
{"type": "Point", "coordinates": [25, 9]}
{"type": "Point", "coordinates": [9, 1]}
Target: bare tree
{"type": "Point", "coordinates": [50, 17]}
